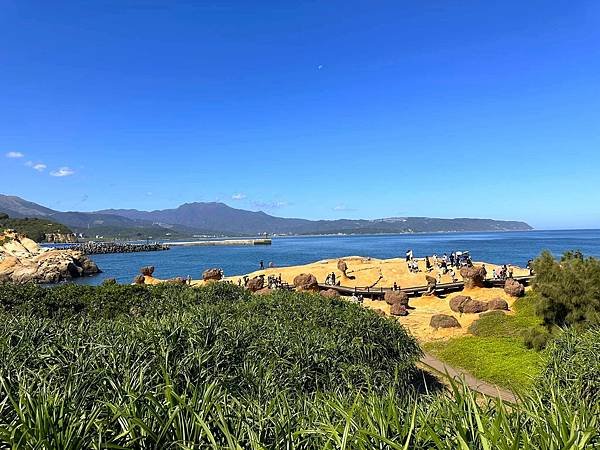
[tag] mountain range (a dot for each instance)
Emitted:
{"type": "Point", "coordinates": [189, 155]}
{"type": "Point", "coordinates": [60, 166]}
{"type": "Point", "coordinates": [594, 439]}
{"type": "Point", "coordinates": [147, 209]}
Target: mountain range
{"type": "Point", "coordinates": [219, 219]}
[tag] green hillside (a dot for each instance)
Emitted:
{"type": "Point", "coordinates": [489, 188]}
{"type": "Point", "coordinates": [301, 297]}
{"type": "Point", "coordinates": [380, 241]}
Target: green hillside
{"type": "Point", "coordinates": [33, 228]}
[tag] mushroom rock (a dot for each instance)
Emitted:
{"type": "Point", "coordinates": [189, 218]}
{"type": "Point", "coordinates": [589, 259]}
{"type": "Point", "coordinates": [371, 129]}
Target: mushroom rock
{"type": "Point", "coordinates": [513, 288]}
{"type": "Point", "coordinates": [330, 293]}
{"type": "Point", "coordinates": [473, 276]}
{"type": "Point", "coordinates": [255, 284]}
{"type": "Point", "coordinates": [467, 305]}
{"type": "Point", "coordinates": [498, 304]}
{"type": "Point", "coordinates": [147, 271]}
{"type": "Point", "coordinates": [342, 266]}
{"type": "Point", "coordinates": [212, 274]}
{"type": "Point", "coordinates": [443, 321]}
{"type": "Point", "coordinates": [393, 297]}
{"type": "Point", "coordinates": [398, 310]}
{"type": "Point", "coordinates": [306, 282]}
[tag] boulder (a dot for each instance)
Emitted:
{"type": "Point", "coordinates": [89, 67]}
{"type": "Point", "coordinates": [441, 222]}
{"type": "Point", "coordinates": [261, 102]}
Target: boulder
{"type": "Point", "coordinates": [473, 276]}
{"type": "Point", "coordinates": [306, 282]}
{"type": "Point", "coordinates": [513, 288]}
{"type": "Point", "coordinates": [139, 279]}
{"type": "Point", "coordinates": [398, 310]}
{"type": "Point", "coordinates": [498, 304]}
{"type": "Point", "coordinates": [443, 321]}
{"type": "Point", "coordinates": [330, 293]}
{"type": "Point", "coordinates": [147, 271]}
{"type": "Point", "coordinates": [393, 297]}
{"type": "Point", "coordinates": [342, 266]}
{"type": "Point", "coordinates": [264, 291]}
{"type": "Point", "coordinates": [212, 274]}
{"type": "Point", "coordinates": [23, 261]}
{"type": "Point", "coordinates": [255, 284]}
{"type": "Point", "coordinates": [467, 305]}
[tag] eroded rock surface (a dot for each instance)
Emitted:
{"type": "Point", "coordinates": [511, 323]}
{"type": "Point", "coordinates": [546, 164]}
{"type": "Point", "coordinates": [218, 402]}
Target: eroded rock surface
{"type": "Point", "coordinates": [23, 261]}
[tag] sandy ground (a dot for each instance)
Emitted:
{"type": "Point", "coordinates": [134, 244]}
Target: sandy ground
{"type": "Point", "coordinates": [383, 273]}
{"type": "Point", "coordinates": [366, 272]}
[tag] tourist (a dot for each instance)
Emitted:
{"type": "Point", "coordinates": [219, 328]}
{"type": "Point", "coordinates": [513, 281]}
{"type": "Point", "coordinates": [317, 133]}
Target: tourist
{"type": "Point", "coordinates": [427, 264]}
{"type": "Point", "coordinates": [395, 287]}
{"type": "Point", "coordinates": [409, 255]}
{"type": "Point", "coordinates": [494, 275]}
{"type": "Point", "coordinates": [271, 265]}
{"type": "Point", "coordinates": [261, 265]}
{"type": "Point", "coordinates": [333, 278]}
{"type": "Point", "coordinates": [484, 270]}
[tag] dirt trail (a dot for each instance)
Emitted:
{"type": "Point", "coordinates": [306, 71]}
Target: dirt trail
{"type": "Point", "coordinates": [475, 384]}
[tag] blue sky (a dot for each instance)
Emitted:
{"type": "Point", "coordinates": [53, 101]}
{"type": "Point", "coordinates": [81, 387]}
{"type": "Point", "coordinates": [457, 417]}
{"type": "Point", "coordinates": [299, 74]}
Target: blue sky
{"type": "Point", "coordinates": [305, 109]}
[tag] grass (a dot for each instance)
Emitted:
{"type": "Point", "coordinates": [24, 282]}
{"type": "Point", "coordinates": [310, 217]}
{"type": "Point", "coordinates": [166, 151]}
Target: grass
{"type": "Point", "coordinates": [495, 351]}
{"type": "Point", "coordinates": [175, 367]}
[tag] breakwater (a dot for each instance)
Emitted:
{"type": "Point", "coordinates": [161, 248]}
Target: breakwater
{"type": "Point", "coordinates": [99, 248]}
{"type": "Point", "coordinates": [223, 242]}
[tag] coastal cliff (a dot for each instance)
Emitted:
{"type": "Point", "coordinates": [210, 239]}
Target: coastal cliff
{"type": "Point", "coordinates": [22, 260]}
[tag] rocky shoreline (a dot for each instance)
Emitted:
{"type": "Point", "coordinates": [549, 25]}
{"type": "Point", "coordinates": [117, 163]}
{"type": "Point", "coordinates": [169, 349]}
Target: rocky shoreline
{"type": "Point", "coordinates": [100, 248]}
{"type": "Point", "coordinates": [23, 261]}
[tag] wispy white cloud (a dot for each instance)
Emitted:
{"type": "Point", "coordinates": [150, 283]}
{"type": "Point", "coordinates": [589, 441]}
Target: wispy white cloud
{"type": "Point", "coordinates": [238, 196]}
{"type": "Point", "coordinates": [14, 155]}
{"type": "Point", "coordinates": [62, 172]}
{"type": "Point", "coordinates": [39, 167]}
{"type": "Point", "coordinates": [343, 208]}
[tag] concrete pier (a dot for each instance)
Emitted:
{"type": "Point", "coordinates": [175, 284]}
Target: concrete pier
{"type": "Point", "coordinates": [232, 242]}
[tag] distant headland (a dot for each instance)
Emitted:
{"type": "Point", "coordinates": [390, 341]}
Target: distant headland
{"type": "Point", "coordinates": [199, 220]}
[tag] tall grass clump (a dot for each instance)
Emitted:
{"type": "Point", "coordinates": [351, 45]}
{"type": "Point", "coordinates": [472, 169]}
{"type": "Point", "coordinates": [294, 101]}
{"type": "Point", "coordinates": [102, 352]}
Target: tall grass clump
{"type": "Point", "coordinates": [178, 367]}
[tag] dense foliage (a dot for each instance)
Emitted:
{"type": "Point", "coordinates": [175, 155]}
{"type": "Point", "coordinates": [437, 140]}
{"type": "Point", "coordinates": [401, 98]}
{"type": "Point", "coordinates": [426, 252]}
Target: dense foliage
{"type": "Point", "coordinates": [34, 229]}
{"type": "Point", "coordinates": [569, 289]}
{"type": "Point", "coordinates": [177, 367]}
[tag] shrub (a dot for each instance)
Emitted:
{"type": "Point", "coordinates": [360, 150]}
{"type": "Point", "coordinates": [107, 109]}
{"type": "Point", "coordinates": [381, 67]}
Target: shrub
{"type": "Point", "coordinates": [536, 338]}
{"type": "Point", "coordinates": [568, 290]}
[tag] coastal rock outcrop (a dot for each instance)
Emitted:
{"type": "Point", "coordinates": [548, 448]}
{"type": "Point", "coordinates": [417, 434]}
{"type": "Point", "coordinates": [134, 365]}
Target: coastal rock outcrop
{"type": "Point", "coordinates": [398, 310]}
{"type": "Point", "coordinates": [256, 283]}
{"type": "Point", "coordinates": [23, 261]}
{"type": "Point", "coordinates": [393, 297]}
{"type": "Point", "coordinates": [513, 288]}
{"type": "Point", "coordinates": [467, 305]}
{"type": "Point", "coordinates": [212, 274]}
{"type": "Point", "coordinates": [306, 282]}
{"type": "Point", "coordinates": [443, 321]}
{"type": "Point", "coordinates": [147, 271]}
{"type": "Point", "coordinates": [473, 276]}
{"type": "Point", "coordinates": [330, 293]}
{"type": "Point", "coordinates": [342, 266]}
{"type": "Point", "coordinates": [497, 304]}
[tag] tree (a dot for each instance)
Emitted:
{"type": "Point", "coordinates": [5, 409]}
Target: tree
{"type": "Point", "coordinates": [3, 216]}
{"type": "Point", "coordinates": [569, 289]}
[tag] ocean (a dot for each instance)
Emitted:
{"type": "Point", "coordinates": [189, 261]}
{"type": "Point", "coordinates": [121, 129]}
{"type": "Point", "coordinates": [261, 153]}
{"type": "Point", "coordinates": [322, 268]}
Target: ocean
{"type": "Point", "coordinates": [515, 247]}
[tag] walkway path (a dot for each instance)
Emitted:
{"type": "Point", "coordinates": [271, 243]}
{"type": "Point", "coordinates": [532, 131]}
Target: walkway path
{"type": "Point", "coordinates": [480, 386]}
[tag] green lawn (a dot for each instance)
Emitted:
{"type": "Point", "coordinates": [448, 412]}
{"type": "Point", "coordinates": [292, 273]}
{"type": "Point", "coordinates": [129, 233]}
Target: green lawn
{"type": "Point", "coordinates": [495, 351]}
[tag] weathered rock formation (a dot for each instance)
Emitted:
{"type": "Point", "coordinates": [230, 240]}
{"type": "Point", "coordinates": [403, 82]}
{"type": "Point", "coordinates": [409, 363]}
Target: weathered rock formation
{"type": "Point", "coordinates": [393, 297]}
{"type": "Point", "coordinates": [212, 274]}
{"type": "Point", "coordinates": [256, 283]}
{"type": "Point", "coordinates": [513, 288]}
{"type": "Point", "coordinates": [342, 266]}
{"type": "Point", "coordinates": [398, 310]}
{"type": "Point", "coordinates": [147, 271]}
{"type": "Point", "coordinates": [330, 293]}
{"type": "Point", "coordinates": [443, 321]}
{"type": "Point", "coordinates": [467, 305]}
{"type": "Point", "coordinates": [22, 261]}
{"type": "Point", "coordinates": [306, 282]}
{"type": "Point", "coordinates": [473, 276]}
{"type": "Point", "coordinates": [498, 304]}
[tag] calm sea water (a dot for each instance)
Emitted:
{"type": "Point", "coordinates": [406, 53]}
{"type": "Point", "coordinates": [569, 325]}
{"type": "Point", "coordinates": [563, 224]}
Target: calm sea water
{"type": "Point", "coordinates": [500, 248]}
